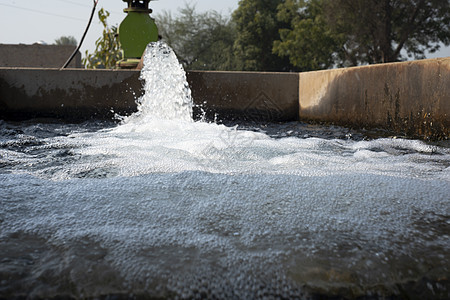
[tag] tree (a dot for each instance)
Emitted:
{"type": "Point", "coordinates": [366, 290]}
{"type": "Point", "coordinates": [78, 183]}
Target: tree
{"type": "Point", "coordinates": [66, 40]}
{"type": "Point", "coordinates": [107, 51]}
{"type": "Point", "coordinates": [257, 28]}
{"type": "Point", "coordinates": [323, 33]}
{"type": "Point", "coordinates": [379, 31]}
{"type": "Point", "coordinates": [202, 41]}
{"type": "Point", "coordinates": [307, 42]}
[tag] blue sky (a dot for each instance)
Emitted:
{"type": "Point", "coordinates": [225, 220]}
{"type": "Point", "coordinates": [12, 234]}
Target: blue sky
{"type": "Point", "coordinates": [29, 21]}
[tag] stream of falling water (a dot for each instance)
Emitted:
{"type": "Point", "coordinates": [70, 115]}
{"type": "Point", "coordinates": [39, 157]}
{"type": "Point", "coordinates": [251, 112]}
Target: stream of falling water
{"type": "Point", "coordinates": [162, 206]}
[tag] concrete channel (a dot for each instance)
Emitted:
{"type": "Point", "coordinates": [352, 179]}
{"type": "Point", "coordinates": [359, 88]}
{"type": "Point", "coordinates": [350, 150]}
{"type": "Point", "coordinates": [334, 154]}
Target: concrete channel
{"type": "Point", "coordinates": [409, 98]}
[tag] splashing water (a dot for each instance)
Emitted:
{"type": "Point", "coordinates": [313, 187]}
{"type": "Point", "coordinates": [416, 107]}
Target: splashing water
{"type": "Point", "coordinates": [167, 94]}
{"type": "Point", "coordinates": [162, 206]}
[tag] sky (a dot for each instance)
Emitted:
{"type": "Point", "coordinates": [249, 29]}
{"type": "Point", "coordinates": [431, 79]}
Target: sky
{"type": "Point", "coordinates": [30, 21]}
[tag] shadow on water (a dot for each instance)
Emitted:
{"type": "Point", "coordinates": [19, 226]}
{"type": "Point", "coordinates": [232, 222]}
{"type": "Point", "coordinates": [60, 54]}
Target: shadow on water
{"type": "Point", "coordinates": [305, 130]}
{"type": "Point", "coordinates": [43, 143]}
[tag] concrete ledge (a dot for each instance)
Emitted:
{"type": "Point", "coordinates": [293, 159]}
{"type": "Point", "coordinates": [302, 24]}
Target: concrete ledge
{"type": "Point", "coordinates": [250, 96]}
{"type": "Point", "coordinates": [85, 94]}
{"type": "Point", "coordinates": [71, 94]}
{"type": "Point", "coordinates": [410, 98]}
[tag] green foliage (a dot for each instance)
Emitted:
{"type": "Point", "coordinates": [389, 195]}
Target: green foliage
{"type": "Point", "coordinates": [66, 40]}
{"type": "Point", "coordinates": [291, 35]}
{"type": "Point", "coordinates": [257, 28]}
{"type": "Point", "coordinates": [202, 41]}
{"type": "Point", "coordinates": [379, 31]}
{"type": "Point", "coordinates": [107, 51]}
{"type": "Point", "coordinates": [327, 33]}
{"type": "Point", "coordinates": [308, 43]}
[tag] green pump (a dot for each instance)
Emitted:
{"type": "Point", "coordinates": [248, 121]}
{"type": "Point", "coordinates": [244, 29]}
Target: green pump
{"type": "Point", "coordinates": [136, 31]}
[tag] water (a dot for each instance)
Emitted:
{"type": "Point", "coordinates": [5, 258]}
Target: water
{"type": "Point", "coordinates": [162, 206]}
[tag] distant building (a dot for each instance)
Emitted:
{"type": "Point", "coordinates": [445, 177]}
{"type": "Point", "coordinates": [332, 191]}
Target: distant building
{"type": "Point", "coordinates": [38, 56]}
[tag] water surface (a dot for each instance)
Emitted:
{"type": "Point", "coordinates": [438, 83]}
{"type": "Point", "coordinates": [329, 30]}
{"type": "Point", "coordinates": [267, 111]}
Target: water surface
{"type": "Point", "coordinates": [163, 206]}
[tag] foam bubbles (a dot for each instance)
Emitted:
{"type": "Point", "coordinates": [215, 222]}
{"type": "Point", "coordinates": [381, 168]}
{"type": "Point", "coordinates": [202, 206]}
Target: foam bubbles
{"type": "Point", "coordinates": [162, 206]}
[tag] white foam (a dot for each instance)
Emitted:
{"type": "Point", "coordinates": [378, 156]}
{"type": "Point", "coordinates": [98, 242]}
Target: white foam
{"type": "Point", "coordinates": [175, 202]}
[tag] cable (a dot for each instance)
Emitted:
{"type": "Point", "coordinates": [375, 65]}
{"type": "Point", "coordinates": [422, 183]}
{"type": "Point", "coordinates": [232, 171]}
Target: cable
{"type": "Point", "coordinates": [84, 35]}
{"type": "Point", "coordinates": [84, 5]}
{"type": "Point", "coordinates": [74, 3]}
{"type": "Point", "coordinates": [41, 12]}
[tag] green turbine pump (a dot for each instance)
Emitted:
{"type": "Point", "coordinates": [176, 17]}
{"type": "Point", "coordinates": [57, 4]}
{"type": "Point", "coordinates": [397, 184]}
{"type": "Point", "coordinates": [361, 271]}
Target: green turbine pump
{"type": "Point", "coordinates": [136, 31]}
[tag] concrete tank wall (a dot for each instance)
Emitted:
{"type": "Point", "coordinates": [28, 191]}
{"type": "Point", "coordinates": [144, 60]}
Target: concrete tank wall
{"type": "Point", "coordinates": [84, 94]}
{"type": "Point", "coordinates": [70, 94]}
{"type": "Point", "coordinates": [250, 96]}
{"type": "Point", "coordinates": [410, 98]}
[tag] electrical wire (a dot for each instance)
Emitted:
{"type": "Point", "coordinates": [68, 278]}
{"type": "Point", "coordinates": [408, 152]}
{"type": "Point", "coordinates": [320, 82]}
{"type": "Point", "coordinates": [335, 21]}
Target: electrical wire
{"type": "Point", "coordinates": [84, 35]}
{"type": "Point", "coordinates": [74, 3]}
{"type": "Point", "coordinates": [41, 12]}
{"type": "Point", "coordinates": [84, 5]}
